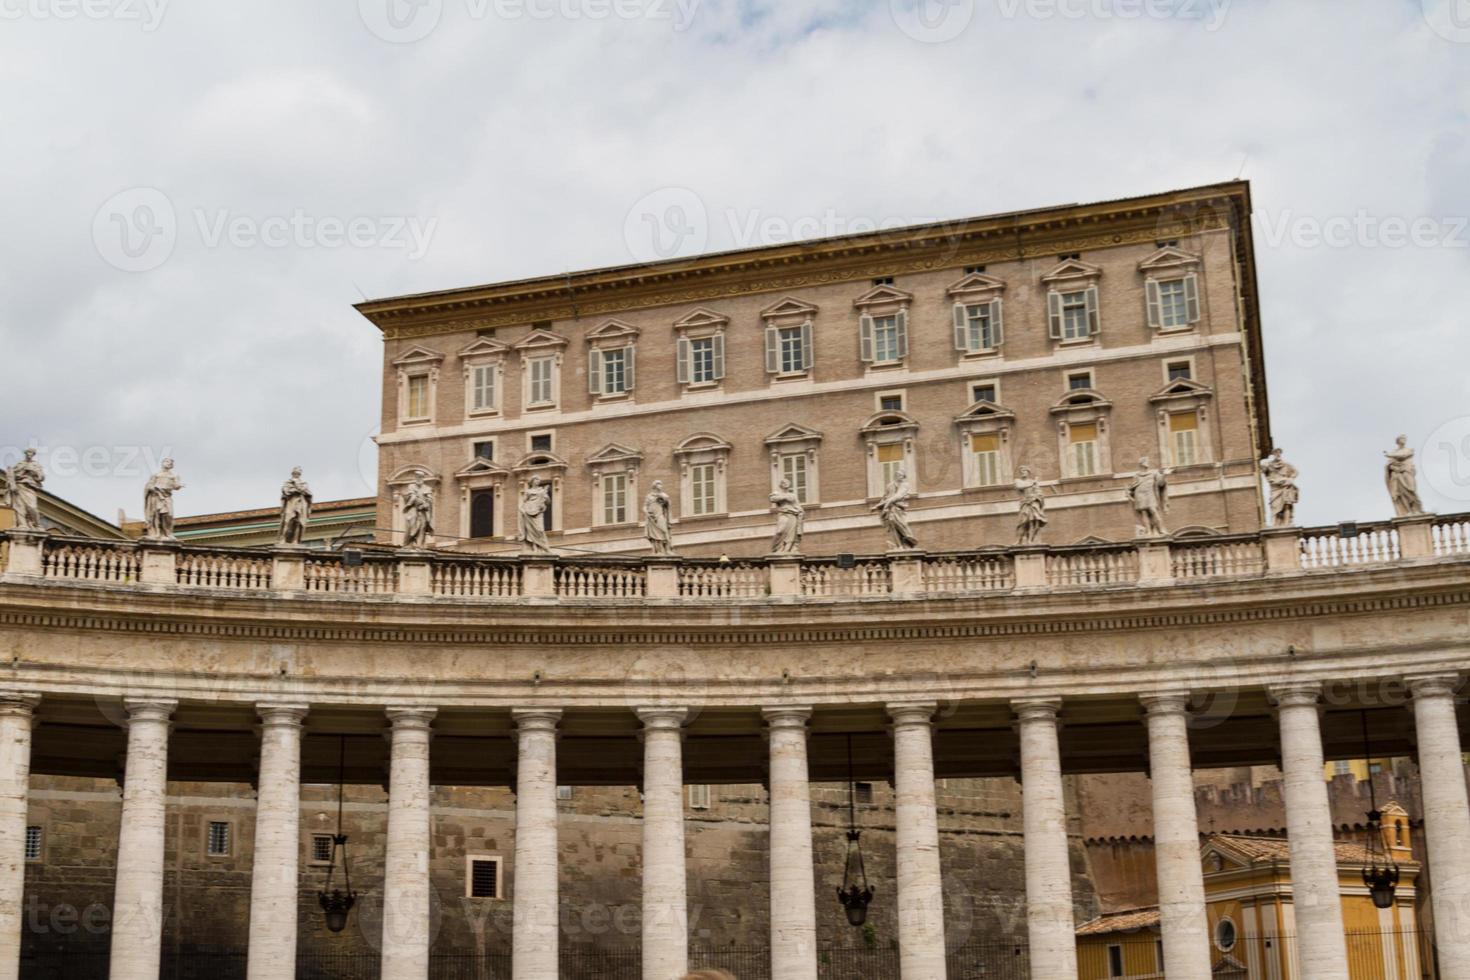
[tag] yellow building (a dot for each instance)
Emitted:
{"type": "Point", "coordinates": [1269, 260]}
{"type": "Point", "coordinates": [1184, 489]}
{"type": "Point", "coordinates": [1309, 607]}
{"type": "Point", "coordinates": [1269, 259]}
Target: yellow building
{"type": "Point", "coordinates": [1252, 919]}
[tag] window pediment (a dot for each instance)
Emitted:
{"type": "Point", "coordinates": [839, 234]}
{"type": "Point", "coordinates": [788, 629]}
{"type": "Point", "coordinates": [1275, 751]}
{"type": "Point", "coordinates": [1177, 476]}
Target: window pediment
{"type": "Point", "coordinates": [613, 332]}
{"type": "Point", "coordinates": [538, 461]}
{"type": "Point", "coordinates": [984, 411]}
{"type": "Point", "coordinates": [889, 422]}
{"type": "Point", "coordinates": [881, 298]}
{"type": "Point", "coordinates": [613, 454]}
{"type": "Point", "coordinates": [793, 433]}
{"type": "Point", "coordinates": [976, 285]}
{"type": "Point", "coordinates": [484, 349]}
{"type": "Point", "coordinates": [789, 309]}
{"type": "Point", "coordinates": [703, 442]}
{"type": "Point", "coordinates": [701, 319]}
{"type": "Point", "coordinates": [540, 339]}
{"type": "Point", "coordinates": [481, 470]}
{"type": "Point", "coordinates": [1183, 390]}
{"type": "Point", "coordinates": [1169, 260]}
{"type": "Point", "coordinates": [416, 356]}
{"type": "Point", "coordinates": [1073, 273]}
{"type": "Point", "coordinates": [1084, 399]}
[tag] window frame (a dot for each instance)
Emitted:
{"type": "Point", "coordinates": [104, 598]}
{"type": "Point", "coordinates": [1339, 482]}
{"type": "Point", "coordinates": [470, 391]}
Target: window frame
{"type": "Point", "coordinates": [470, 860]}
{"type": "Point", "coordinates": [1184, 397]}
{"type": "Point", "coordinates": [1092, 409]}
{"type": "Point", "coordinates": [418, 364]}
{"type": "Point", "coordinates": [794, 439]}
{"type": "Point", "coordinates": [312, 836]}
{"type": "Point", "coordinates": [888, 306]}
{"type": "Point", "coordinates": [702, 449]}
{"type": "Point", "coordinates": [699, 326]}
{"type": "Point", "coordinates": [483, 355]}
{"type": "Point", "coordinates": [1073, 277]}
{"type": "Point", "coordinates": [541, 346]}
{"type": "Point", "coordinates": [889, 429]}
{"type": "Point", "coordinates": [986, 418]}
{"type": "Point", "coordinates": [700, 796]}
{"type": "Point", "coordinates": [210, 822]}
{"type": "Point", "coordinates": [789, 314]}
{"type": "Point", "coordinates": [609, 464]}
{"type": "Point", "coordinates": [41, 843]}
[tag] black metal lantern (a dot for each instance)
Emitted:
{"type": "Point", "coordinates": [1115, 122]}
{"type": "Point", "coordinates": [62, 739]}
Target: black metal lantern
{"type": "Point", "coordinates": [336, 903]}
{"type": "Point", "coordinates": [855, 894]}
{"type": "Point", "coordinates": [1382, 878]}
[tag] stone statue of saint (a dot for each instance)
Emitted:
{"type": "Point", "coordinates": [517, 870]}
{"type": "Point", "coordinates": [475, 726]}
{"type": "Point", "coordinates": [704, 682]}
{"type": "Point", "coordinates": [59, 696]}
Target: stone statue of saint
{"type": "Point", "coordinates": [1403, 479]}
{"type": "Point", "coordinates": [1281, 478]}
{"type": "Point", "coordinates": [1032, 516]}
{"type": "Point", "coordinates": [295, 509]}
{"type": "Point", "coordinates": [894, 511]}
{"type": "Point", "coordinates": [534, 501]}
{"type": "Point", "coordinates": [418, 514]}
{"type": "Point", "coordinates": [789, 520]}
{"type": "Point", "coordinates": [23, 488]}
{"type": "Point", "coordinates": [1150, 495]}
{"type": "Point", "coordinates": [158, 502]}
{"type": "Point", "coordinates": [656, 520]}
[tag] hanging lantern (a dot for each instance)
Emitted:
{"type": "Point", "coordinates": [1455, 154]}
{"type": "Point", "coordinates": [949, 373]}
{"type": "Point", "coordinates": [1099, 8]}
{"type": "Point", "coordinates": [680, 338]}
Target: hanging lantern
{"type": "Point", "coordinates": [336, 903]}
{"type": "Point", "coordinates": [1382, 878]}
{"type": "Point", "coordinates": [855, 894]}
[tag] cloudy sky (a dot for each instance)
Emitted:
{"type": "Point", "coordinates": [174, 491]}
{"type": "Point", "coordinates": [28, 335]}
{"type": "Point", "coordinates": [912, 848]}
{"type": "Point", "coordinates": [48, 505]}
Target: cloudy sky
{"type": "Point", "coordinates": [196, 192]}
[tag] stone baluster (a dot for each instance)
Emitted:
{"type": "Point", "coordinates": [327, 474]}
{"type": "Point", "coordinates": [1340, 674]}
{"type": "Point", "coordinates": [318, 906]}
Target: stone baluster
{"type": "Point", "coordinates": [17, 714]}
{"type": "Point", "coordinates": [273, 882]}
{"type": "Point", "coordinates": [137, 926]}
{"type": "Point", "coordinates": [1049, 920]}
{"type": "Point", "coordinates": [406, 903]}
{"type": "Point", "coordinates": [793, 872]}
{"type": "Point", "coordinates": [665, 887]}
{"type": "Point", "coordinates": [920, 883]}
{"type": "Point", "coordinates": [536, 927]}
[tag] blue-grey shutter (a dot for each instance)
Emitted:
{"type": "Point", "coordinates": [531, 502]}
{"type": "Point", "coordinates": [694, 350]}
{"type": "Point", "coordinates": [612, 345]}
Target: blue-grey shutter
{"type": "Point", "coordinates": [1054, 313]}
{"type": "Point", "coordinates": [997, 323]}
{"type": "Point", "coordinates": [1094, 322]}
{"type": "Point", "coordinates": [682, 358]}
{"type": "Point", "coordinates": [773, 350]}
{"type": "Point", "coordinates": [1155, 317]}
{"type": "Point", "coordinates": [717, 346]}
{"type": "Point", "coordinates": [1191, 297]}
{"type": "Point", "coordinates": [629, 363]}
{"type": "Point", "coordinates": [807, 357]}
{"type": "Point", "coordinates": [961, 327]}
{"type": "Point", "coordinates": [594, 371]}
{"type": "Point", "coordinates": [903, 333]}
{"type": "Point", "coordinates": [865, 332]}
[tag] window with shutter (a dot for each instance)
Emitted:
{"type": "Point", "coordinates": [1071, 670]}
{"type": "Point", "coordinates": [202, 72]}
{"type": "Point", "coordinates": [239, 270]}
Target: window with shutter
{"type": "Point", "coordinates": [773, 350]}
{"type": "Point", "coordinates": [1076, 315]}
{"type": "Point", "coordinates": [792, 350]}
{"type": "Point", "coordinates": [793, 469]}
{"type": "Point", "coordinates": [594, 371]}
{"type": "Point", "coordinates": [1184, 438]}
{"type": "Point", "coordinates": [890, 461]}
{"type": "Point", "coordinates": [483, 377]}
{"type": "Point", "coordinates": [718, 350]}
{"type": "Point", "coordinates": [986, 449]}
{"type": "Point", "coordinates": [699, 797]}
{"type": "Point", "coordinates": [683, 360]}
{"type": "Point", "coordinates": [630, 367]}
{"type": "Point", "coordinates": [702, 489]}
{"type": "Point", "coordinates": [865, 338]}
{"type": "Point", "coordinates": [615, 370]}
{"type": "Point", "coordinates": [1082, 447]}
{"type": "Point", "coordinates": [701, 360]}
{"type": "Point", "coordinates": [418, 396]}
{"type": "Point", "coordinates": [615, 498]}
{"type": "Point", "coordinates": [540, 372]}
{"type": "Point", "coordinates": [806, 346]}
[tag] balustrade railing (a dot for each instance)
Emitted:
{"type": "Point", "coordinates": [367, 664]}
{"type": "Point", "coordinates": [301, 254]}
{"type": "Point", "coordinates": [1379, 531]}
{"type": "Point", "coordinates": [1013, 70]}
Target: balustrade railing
{"type": "Point", "coordinates": [601, 581]}
{"type": "Point", "coordinates": [828, 578]}
{"type": "Point", "coordinates": [1451, 535]}
{"type": "Point", "coordinates": [90, 562]}
{"type": "Point", "coordinates": [223, 570]}
{"type": "Point", "coordinates": [475, 578]}
{"type": "Point", "coordinates": [332, 574]}
{"type": "Point", "coordinates": [969, 573]}
{"type": "Point", "coordinates": [722, 580]}
{"type": "Point", "coordinates": [1216, 559]}
{"type": "Point", "coordinates": [1099, 565]}
{"type": "Point", "coordinates": [1365, 544]}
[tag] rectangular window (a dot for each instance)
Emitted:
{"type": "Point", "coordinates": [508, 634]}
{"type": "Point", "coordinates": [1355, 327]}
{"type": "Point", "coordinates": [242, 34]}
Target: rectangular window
{"type": "Point", "coordinates": [890, 461]}
{"type": "Point", "coordinates": [482, 514]}
{"type": "Point", "coordinates": [980, 327]}
{"type": "Point", "coordinates": [982, 393]}
{"type": "Point", "coordinates": [1082, 449]}
{"type": "Point", "coordinates": [418, 396]}
{"type": "Point", "coordinates": [702, 489]}
{"type": "Point", "coordinates": [615, 498]}
{"type": "Point", "coordinates": [890, 403]}
{"type": "Point", "coordinates": [885, 339]}
{"type": "Point", "coordinates": [539, 372]}
{"type": "Point", "coordinates": [793, 360]}
{"type": "Point", "coordinates": [485, 450]}
{"type": "Point", "coordinates": [321, 848]}
{"type": "Point", "coordinates": [484, 875]}
{"type": "Point", "coordinates": [541, 442]}
{"type": "Point", "coordinates": [1172, 303]}
{"type": "Point", "coordinates": [1184, 438]}
{"type": "Point", "coordinates": [1342, 767]}
{"type": "Point", "coordinates": [1079, 381]}
{"type": "Point", "coordinates": [482, 379]}
{"type": "Point", "coordinates": [702, 361]}
{"type": "Point", "coordinates": [1115, 961]}
{"type": "Point", "coordinates": [793, 468]}
{"type": "Point", "coordinates": [563, 792]}
{"type": "Point", "coordinates": [34, 839]}
{"type": "Point", "coordinates": [1178, 370]}
{"type": "Point", "coordinates": [863, 792]}
{"type": "Point", "coordinates": [986, 447]}
{"type": "Point", "coordinates": [1074, 316]}
{"type": "Point", "coordinates": [218, 842]}
{"type": "Point", "coordinates": [699, 797]}
{"type": "Point", "coordinates": [615, 371]}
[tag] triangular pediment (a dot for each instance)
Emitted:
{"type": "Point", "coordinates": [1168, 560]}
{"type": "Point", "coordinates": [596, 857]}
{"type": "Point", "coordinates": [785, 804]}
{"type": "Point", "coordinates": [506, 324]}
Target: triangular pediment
{"type": "Point", "coordinates": [793, 433]}
{"type": "Point", "coordinates": [484, 347]}
{"type": "Point", "coordinates": [480, 467]}
{"type": "Point", "coordinates": [702, 442]}
{"type": "Point", "coordinates": [1182, 388]}
{"type": "Point", "coordinates": [1167, 258]}
{"type": "Point", "coordinates": [1229, 967]}
{"type": "Point", "coordinates": [985, 410]}
{"type": "Point", "coordinates": [975, 282]}
{"type": "Point", "coordinates": [418, 355]}
{"type": "Point", "coordinates": [700, 317]}
{"type": "Point", "coordinates": [880, 295]}
{"type": "Point", "coordinates": [789, 307]}
{"type": "Point", "coordinates": [614, 453]}
{"type": "Point", "coordinates": [613, 329]}
{"type": "Point", "coordinates": [540, 338]}
{"type": "Point", "coordinates": [1072, 269]}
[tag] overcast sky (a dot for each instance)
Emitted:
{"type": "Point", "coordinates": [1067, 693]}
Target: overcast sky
{"type": "Point", "coordinates": [196, 192]}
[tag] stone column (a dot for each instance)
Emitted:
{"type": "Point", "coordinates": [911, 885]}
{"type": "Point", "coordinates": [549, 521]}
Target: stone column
{"type": "Point", "coordinates": [406, 907]}
{"type": "Point", "coordinates": [1446, 819]}
{"type": "Point", "coordinates": [1048, 863]}
{"type": "Point", "coordinates": [1314, 878]}
{"type": "Point", "coordinates": [137, 922]}
{"type": "Point", "coordinates": [16, 717]}
{"type": "Point", "coordinates": [1176, 839]}
{"type": "Point", "coordinates": [793, 873]}
{"type": "Point", "coordinates": [273, 878]}
{"type": "Point", "coordinates": [535, 926]}
{"type": "Point", "coordinates": [920, 885]}
{"type": "Point", "coordinates": [665, 896]}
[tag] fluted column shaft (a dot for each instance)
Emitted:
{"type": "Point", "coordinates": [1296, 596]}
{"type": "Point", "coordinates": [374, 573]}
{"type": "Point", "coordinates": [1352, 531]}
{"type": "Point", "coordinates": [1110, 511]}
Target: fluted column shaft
{"type": "Point", "coordinates": [1176, 839]}
{"type": "Point", "coordinates": [273, 876]}
{"type": "Point", "coordinates": [406, 904]}
{"type": "Point", "coordinates": [137, 927]}
{"type": "Point", "coordinates": [920, 884]}
{"type": "Point", "coordinates": [1316, 893]}
{"type": "Point", "coordinates": [536, 927]}
{"type": "Point", "coordinates": [1048, 865]}
{"type": "Point", "coordinates": [665, 891]}
{"type": "Point", "coordinates": [16, 717]}
{"type": "Point", "coordinates": [793, 873]}
{"type": "Point", "coordinates": [1446, 819]}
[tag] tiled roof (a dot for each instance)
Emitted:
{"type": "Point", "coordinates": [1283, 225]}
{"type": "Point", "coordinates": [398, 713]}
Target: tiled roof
{"type": "Point", "coordinates": [1130, 920]}
{"type": "Point", "coordinates": [1276, 848]}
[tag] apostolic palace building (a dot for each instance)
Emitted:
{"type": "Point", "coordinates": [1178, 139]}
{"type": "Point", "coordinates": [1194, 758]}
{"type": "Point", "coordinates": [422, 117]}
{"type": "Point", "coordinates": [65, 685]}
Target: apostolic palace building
{"type": "Point", "coordinates": [884, 606]}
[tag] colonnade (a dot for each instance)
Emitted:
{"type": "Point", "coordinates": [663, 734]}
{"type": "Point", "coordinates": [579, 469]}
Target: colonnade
{"type": "Point", "coordinates": [138, 920]}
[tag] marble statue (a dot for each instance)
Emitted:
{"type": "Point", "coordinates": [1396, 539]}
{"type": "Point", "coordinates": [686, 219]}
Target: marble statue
{"type": "Point", "coordinates": [656, 520]}
{"type": "Point", "coordinates": [1150, 495]}
{"type": "Point", "coordinates": [1032, 516]}
{"type": "Point", "coordinates": [894, 511]}
{"type": "Point", "coordinates": [158, 502]}
{"type": "Point", "coordinates": [295, 509]}
{"type": "Point", "coordinates": [534, 501]}
{"type": "Point", "coordinates": [418, 514]}
{"type": "Point", "coordinates": [1402, 479]}
{"type": "Point", "coordinates": [789, 520]}
{"type": "Point", "coordinates": [1281, 478]}
{"type": "Point", "coordinates": [23, 488]}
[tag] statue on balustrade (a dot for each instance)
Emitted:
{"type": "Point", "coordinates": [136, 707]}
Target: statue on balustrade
{"type": "Point", "coordinates": [1032, 516]}
{"type": "Point", "coordinates": [158, 502]}
{"type": "Point", "coordinates": [656, 508]}
{"type": "Point", "coordinates": [1281, 478]}
{"type": "Point", "coordinates": [295, 509]}
{"type": "Point", "coordinates": [893, 509]}
{"type": "Point", "coordinates": [789, 520]}
{"type": "Point", "coordinates": [418, 514]}
{"type": "Point", "coordinates": [1403, 479]}
{"type": "Point", "coordinates": [1150, 495]}
{"type": "Point", "coordinates": [23, 491]}
{"type": "Point", "coordinates": [535, 499]}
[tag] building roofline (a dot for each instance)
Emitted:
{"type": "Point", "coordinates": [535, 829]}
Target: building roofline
{"type": "Point", "coordinates": [229, 517]}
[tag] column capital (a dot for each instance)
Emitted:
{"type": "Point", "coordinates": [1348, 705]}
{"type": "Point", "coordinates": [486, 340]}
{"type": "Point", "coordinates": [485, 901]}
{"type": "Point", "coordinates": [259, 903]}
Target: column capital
{"type": "Point", "coordinates": [1295, 694]}
{"type": "Point", "coordinates": [1426, 686]}
{"type": "Point", "coordinates": [787, 716]}
{"type": "Point", "coordinates": [535, 719]}
{"type": "Point", "coordinates": [910, 713]}
{"type": "Point", "coordinates": [662, 719]}
{"type": "Point", "coordinates": [411, 718]}
{"type": "Point", "coordinates": [1165, 703]}
{"type": "Point", "coordinates": [279, 715]}
{"type": "Point", "coordinates": [16, 705]}
{"type": "Point", "coordinates": [1037, 709]}
{"type": "Point", "coordinates": [149, 709]}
